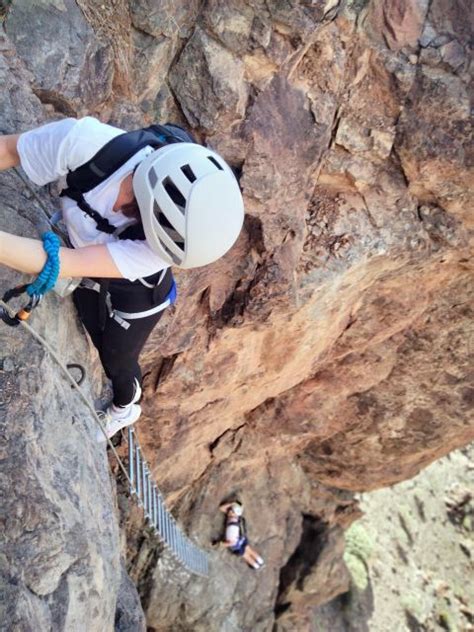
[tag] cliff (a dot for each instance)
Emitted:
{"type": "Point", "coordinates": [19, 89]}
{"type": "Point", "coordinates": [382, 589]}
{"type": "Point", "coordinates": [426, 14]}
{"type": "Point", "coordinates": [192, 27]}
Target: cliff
{"type": "Point", "coordinates": [328, 353]}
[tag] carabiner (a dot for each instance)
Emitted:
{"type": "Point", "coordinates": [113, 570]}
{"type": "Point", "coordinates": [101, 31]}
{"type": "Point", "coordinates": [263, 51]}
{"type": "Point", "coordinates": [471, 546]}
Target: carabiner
{"type": "Point", "coordinates": [24, 312]}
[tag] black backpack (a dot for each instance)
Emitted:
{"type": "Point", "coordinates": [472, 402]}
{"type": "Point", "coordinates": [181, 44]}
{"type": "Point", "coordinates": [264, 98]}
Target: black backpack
{"type": "Point", "coordinates": [130, 295]}
{"type": "Point", "coordinates": [111, 157]}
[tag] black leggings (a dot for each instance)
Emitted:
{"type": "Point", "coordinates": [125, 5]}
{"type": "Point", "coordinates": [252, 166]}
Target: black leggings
{"type": "Point", "coordinates": [118, 348]}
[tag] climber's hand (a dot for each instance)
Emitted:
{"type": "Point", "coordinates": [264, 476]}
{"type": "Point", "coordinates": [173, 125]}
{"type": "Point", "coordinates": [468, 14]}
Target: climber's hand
{"type": "Point", "coordinates": [9, 156]}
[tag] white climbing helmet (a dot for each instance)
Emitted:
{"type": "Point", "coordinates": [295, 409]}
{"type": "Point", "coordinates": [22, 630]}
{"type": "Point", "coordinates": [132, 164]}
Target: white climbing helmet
{"type": "Point", "coordinates": [190, 204]}
{"type": "Point", "coordinates": [237, 508]}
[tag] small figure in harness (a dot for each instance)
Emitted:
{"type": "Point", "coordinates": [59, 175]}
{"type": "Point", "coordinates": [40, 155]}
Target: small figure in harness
{"type": "Point", "coordinates": [235, 538]}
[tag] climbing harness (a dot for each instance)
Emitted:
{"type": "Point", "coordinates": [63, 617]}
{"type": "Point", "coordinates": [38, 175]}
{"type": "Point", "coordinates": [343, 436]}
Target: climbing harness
{"type": "Point", "coordinates": [139, 480]}
{"type": "Point", "coordinates": [239, 547]}
{"type": "Point", "coordinates": [66, 286]}
{"type": "Point", "coordinates": [43, 283]}
{"type": "Point", "coordinates": [120, 316]}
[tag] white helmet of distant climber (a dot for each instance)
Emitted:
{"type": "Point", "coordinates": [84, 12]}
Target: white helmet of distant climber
{"type": "Point", "coordinates": [190, 204]}
{"type": "Point", "coordinates": [237, 508]}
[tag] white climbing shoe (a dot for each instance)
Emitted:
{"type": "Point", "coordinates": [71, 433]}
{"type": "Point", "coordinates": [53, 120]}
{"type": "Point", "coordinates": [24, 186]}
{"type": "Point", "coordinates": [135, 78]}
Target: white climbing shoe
{"type": "Point", "coordinates": [117, 417]}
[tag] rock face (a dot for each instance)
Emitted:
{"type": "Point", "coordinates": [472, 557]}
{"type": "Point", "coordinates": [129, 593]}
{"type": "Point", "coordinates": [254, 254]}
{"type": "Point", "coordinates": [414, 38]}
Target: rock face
{"type": "Point", "coordinates": [60, 561]}
{"type": "Point", "coordinates": [329, 351]}
{"type": "Point", "coordinates": [74, 74]}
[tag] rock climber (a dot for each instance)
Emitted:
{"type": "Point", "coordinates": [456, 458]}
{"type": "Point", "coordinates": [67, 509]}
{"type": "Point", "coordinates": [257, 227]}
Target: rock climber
{"type": "Point", "coordinates": [181, 205]}
{"type": "Point", "coordinates": [235, 538]}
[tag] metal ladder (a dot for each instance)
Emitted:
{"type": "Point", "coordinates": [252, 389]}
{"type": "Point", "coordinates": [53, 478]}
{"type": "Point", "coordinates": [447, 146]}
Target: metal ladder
{"type": "Point", "coordinates": [149, 497]}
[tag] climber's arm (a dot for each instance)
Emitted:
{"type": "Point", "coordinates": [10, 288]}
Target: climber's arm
{"type": "Point", "coordinates": [27, 255]}
{"type": "Point", "coordinates": [9, 156]}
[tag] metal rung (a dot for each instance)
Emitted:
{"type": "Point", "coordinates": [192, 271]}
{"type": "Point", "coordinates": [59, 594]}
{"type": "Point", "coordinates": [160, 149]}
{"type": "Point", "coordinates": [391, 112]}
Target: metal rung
{"type": "Point", "coordinates": [150, 499]}
{"type": "Point", "coordinates": [167, 526]}
{"type": "Point", "coordinates": [153, 503]}
{"type": "Point", "coordinates": [144, 485]}
{"type": "Point", "coordinates": [160, 513]}
{"type": "Point", "coordinates": [138, 473]}
{"type": "Point", "coordinates": [131, 460]}
{"type": "Point", "coordinates": [148, 492]}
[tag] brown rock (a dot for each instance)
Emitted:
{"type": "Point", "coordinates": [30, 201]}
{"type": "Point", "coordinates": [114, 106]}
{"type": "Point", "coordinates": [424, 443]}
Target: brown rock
{"type": "Point", "coordinates": [160, 29]}
{"type": "Point", "coordinates": [433, 142]}
{"type": "Point", "coordinates": [400, 22]}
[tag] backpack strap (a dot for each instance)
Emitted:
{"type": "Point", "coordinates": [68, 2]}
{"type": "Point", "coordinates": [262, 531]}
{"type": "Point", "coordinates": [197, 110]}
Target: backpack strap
{"type": "Point", "coordinates": [134, 231]}
{"type": "Point", "coordinates": [102, 223]}
{"type": "Point", "coordinates": [118, 150]}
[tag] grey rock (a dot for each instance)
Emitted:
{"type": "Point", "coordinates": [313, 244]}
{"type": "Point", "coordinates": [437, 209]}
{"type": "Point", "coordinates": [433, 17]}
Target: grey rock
{"type": "Point", "coordinates": [152, 59]}
{"type": "Point", "coordinates": [8, 364]}
{"type": "Point", "coordinates": [209, 83]}
{"type": "Point", "coordinates": [164, 107]}
{"type": "Point", "coordinates": [22, 610]}
{"type": "Point", "coordinates": [453, 54]}
{"type": "Point", "coordinates": [233, 23]}
{"type": "Point", "coordinates": [300, 18]}
{"type": "Point", "coordinates": [129, 616]}
{"type": "Point", "coordinates": [428, 35]}
{"type": "Point", "coordinates": [60, 552]}
{"type": "Point", "coordinates": [160, 29]}
{"type": "Point", "coordinates": [170, 18]}
{"type": "Point", "coordinates": [18, 105]}
{"type": "Point", "coordinates": [75, 74]}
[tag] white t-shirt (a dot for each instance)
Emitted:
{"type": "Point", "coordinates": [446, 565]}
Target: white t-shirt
{"type": "Point", "coordinates": [51, 151]}
{"type": "Point", "coordinates": [232, 533]}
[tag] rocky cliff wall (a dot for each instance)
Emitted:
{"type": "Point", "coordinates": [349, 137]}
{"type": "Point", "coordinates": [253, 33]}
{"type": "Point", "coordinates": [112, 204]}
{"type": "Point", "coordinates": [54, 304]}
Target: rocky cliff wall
{"type": "Point", "coordinates": [329, 351]}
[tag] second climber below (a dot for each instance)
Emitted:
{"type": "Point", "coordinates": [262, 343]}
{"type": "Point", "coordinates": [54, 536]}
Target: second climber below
{"type": "Point", "coordinates": [173, 203]}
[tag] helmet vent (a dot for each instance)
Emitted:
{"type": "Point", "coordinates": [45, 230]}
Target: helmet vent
{"type": "Point", "coordinates": [188, 172]}
{"type": "Point", "coordinates": [167, 226]}
{"type": "Point", "coordinates": [176, 259]}
{"type": "Point", "coordinates": [174, 193]}
{"type": "Point", "coordinates": [160, 216]}
{"type": "Point", "coordinates": [214, 161]}
{"type": "Point", "coordinates": [152, 178]}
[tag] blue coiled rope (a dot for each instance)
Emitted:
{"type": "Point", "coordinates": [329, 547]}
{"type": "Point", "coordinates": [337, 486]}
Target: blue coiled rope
{"type": "Point", "coordinates": [44, 282]}
{"type": "Point", "coordinates": [48, 276]}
